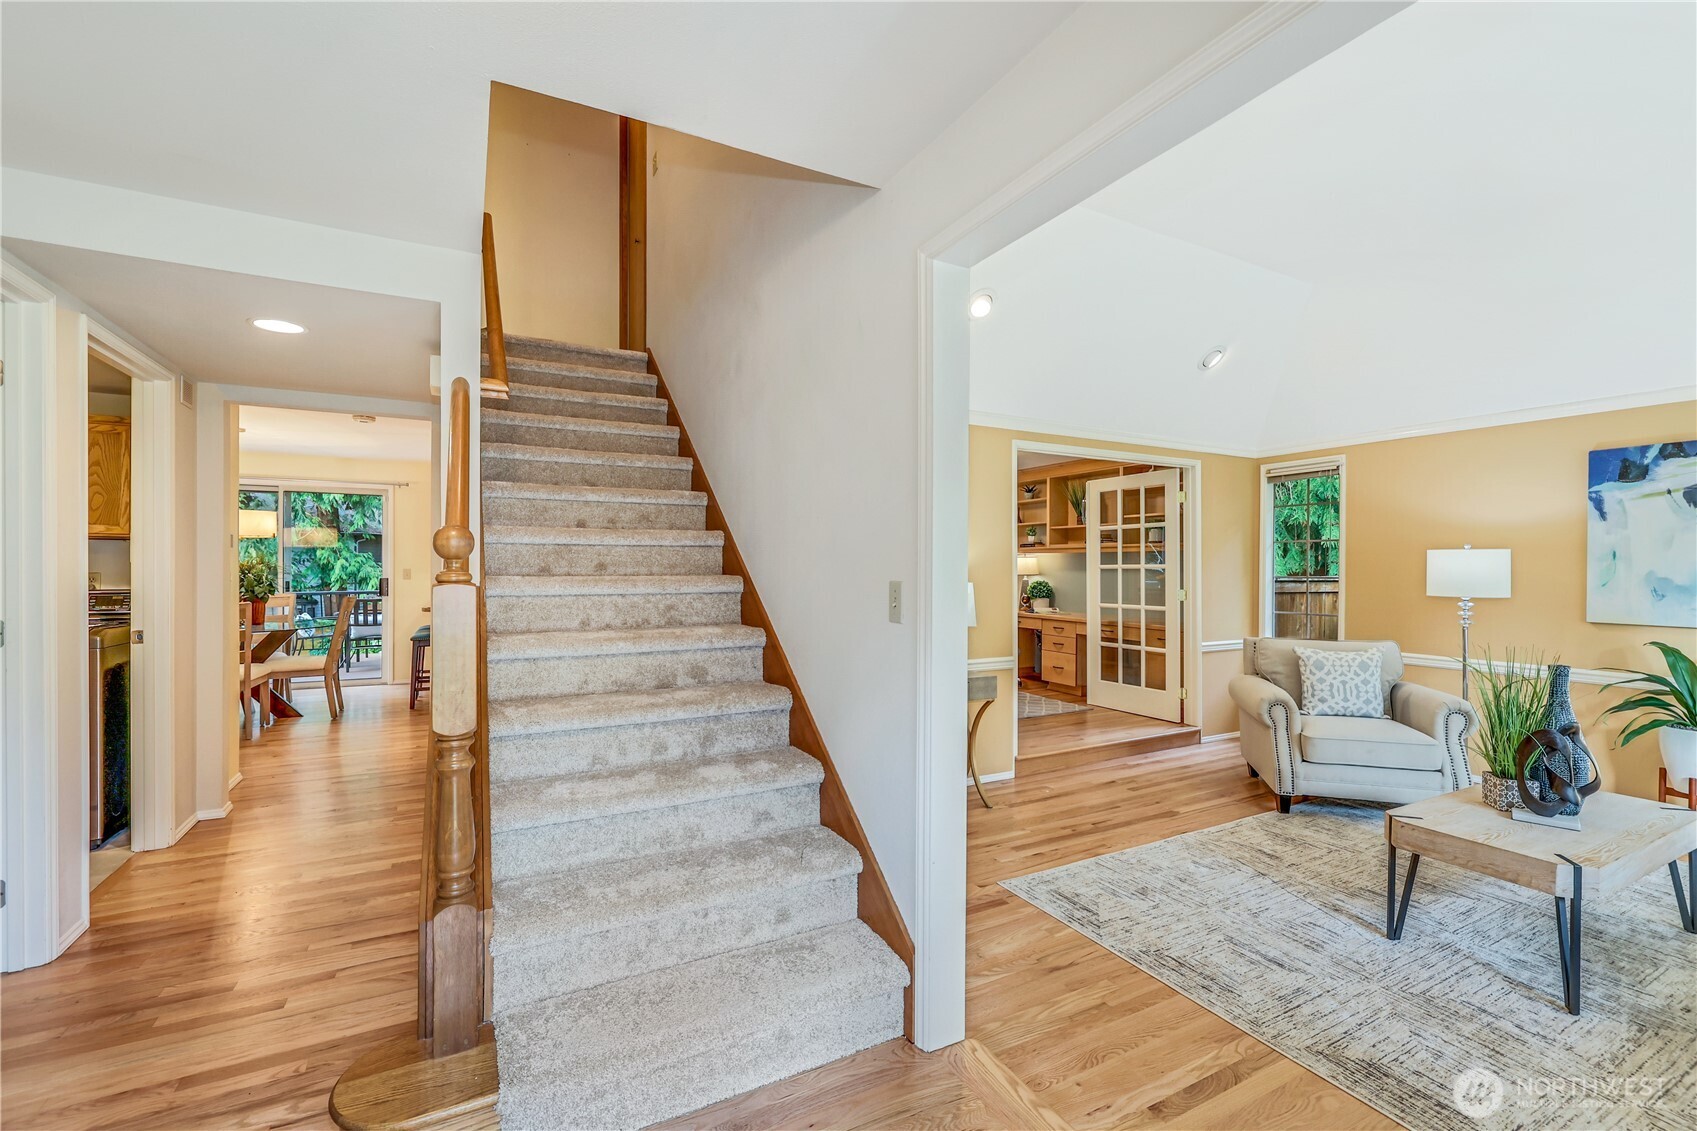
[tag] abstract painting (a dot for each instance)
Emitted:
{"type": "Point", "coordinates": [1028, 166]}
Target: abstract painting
{"type": "Point", "coordinates": [1641, 535]}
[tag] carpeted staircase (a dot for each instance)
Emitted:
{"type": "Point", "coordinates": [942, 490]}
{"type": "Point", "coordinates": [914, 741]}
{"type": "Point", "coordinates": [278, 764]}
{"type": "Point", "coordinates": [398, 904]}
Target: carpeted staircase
{"type": "Point", "coordinates": [672, 924]}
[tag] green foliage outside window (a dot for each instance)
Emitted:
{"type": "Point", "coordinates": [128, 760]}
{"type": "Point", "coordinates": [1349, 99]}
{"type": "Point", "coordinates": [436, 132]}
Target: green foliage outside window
{"type": "Point", "coordinates": [1306, 526]}
{"type": "Point", "coordinates": [353, 561]}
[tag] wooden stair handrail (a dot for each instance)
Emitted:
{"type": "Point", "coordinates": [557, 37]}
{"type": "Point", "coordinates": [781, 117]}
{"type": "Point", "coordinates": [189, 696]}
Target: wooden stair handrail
{"type": "Point", "coordinates": [495, 384]}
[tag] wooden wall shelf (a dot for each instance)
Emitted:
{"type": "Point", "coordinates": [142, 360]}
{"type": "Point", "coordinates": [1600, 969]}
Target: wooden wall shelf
{"type": "Point", "coordinates": [1058, 528]}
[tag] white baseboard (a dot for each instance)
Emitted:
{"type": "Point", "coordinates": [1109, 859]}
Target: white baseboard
{"type": "Point", "coordinates": [1221, 737]}
{"type": "Point", "coordinates": [1005, 775]}
{"type": "Point", "coordinates": [69, 937]}
{"type": "Point", "coordinates": [215, 814]}
{"type": "Point", "coordinates": [188, 823]}
{"type": "Point", "coordinates": [235, 781]}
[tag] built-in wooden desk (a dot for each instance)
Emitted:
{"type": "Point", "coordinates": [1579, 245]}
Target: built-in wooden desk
{"type": "Point", "coordinates": [1052, 649]}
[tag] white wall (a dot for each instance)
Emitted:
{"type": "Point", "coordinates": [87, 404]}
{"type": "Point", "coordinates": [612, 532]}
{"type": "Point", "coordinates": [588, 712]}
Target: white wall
{"type": "Point", "coordinates": [784, 309]}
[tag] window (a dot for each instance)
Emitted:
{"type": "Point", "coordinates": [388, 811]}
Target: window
{"type": "Point", "coordinates": [1303, 564]}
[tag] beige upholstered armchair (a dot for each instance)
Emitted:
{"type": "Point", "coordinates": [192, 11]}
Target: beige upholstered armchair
{"type": "Point", "coordinates": [1418, 749]}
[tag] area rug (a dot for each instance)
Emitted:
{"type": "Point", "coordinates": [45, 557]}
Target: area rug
{"type": "Point", "coordinates": [1276, 923]}
{"type": "Point", "coordinates": [1036, 706]}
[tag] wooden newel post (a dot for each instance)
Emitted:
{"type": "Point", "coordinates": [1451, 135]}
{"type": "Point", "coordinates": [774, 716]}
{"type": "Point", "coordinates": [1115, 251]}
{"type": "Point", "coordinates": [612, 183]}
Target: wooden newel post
{"type": "Point", "coordinates": [452, 973]}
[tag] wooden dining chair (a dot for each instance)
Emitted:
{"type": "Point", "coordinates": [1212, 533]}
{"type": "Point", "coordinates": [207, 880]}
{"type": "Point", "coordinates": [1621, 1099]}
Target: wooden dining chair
{"type": "Point", "coordinates": [250, 676]}
{"type": "Point", "coordinates": [328, 665]}
{"type": "Point", "coordinates": [280, 609]}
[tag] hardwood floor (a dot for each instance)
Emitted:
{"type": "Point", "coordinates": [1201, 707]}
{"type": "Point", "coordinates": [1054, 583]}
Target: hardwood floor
{"type": "Point", "coordinates": [1063, 1033]}
{"type": "Point", "coordinates": [1053, 742]}
{"type": "Point", "coordinates": [226, 981]}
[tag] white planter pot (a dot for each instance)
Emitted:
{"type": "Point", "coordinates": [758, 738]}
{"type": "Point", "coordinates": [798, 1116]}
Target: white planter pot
{"type": "Point", "coordinates": [1040, 604]}
{"type": "Point", "coordinates": [1679, 753]}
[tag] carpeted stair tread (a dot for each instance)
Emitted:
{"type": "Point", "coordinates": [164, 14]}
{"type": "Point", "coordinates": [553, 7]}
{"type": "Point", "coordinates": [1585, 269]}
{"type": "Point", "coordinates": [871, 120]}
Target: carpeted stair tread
{"type": "Point", "coordinates": [539, 453]}
{"type": "Point", "coordinates": [542, 910]}
{"type": "Point", "coordinates": [614, 641]}
{"type": "Point", "coordinates": [568, 492]}
{"type": "Point", "coordinates": [592, 536]}
{"type": "Point", "coordinates": [501, 416]}
{"type": "Point", "coordinates": [588, 403]}
{"type": "Point", "coordinates": [627, 1027]}
{"type": "Point", "coordinates": [624, 708]}
{"type": "Point", "coordinates": [539, 802]}
{"type": "Point", "coordinates": [519, 346]}
{"type": "Point", "coordinates": [615, 586]}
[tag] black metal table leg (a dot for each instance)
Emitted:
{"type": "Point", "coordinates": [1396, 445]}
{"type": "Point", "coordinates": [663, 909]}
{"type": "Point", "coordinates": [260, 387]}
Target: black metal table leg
{"type": "Point", "coordinates": [1395, 914]}
{"type": "Point", "coordinates": [1568, 935]}
{"type": "Point", "coordinates": [1687, 911]}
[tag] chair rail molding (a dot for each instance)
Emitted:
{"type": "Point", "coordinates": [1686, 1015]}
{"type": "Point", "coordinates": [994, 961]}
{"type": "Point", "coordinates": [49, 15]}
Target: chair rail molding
{"type": "Point", "coordinates": [990, 664]}
{"type": "Point", "coordinates": [1595, 677]}
{"type": "Point", "coordinates": [1222, 646]}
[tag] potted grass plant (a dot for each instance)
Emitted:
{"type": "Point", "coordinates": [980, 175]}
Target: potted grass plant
{"type": "Point", "coordinates": [1668, 707]}
{"type": "Point", "coordinates": [1513, 699]}
{"type": "Point", "coordinates": [1077, 493]}
{"type": "Point", "coordinates": [1042, 595]}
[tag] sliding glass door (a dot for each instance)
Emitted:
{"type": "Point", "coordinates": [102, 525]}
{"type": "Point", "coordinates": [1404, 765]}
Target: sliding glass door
{"type": "Point", "coordinates": [326, 543]}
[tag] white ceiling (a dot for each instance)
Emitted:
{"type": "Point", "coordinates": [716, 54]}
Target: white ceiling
{"type": "Point", "coordinates": [301, 432]}
{"type": "Point", "coordinates": [1472, 210]}
{"type": "Point", "coordinates": [373, 117]}
{"type": "Point", "coordinates": [356, 343]}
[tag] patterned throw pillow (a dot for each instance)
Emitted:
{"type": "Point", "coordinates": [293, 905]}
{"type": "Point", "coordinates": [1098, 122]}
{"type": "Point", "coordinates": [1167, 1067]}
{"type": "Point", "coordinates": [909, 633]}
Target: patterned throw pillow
{"type": "Point", "coordinates": [1341, 683]}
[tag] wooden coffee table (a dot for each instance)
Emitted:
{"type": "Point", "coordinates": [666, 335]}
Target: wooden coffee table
{"type": "Point", "coordinates": [1623, 840]}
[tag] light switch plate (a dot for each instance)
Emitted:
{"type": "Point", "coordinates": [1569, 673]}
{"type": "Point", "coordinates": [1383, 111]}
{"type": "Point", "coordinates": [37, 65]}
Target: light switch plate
{"type": "Point", "coordinates": [895, 602]}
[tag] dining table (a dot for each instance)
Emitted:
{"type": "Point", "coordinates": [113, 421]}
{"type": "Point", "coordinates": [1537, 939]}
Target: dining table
{"type": "Point", "coordinates": [269, 639]}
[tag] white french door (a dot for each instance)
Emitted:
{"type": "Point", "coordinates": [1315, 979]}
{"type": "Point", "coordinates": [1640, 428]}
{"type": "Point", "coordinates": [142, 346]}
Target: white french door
{"type": "Point", "coordinates": [1136, 662]}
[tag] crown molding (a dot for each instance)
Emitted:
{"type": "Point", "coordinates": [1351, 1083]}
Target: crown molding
{"type": "Point", "coordinates": [1672, 395]}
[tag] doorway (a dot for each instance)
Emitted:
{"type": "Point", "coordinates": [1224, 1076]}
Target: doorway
{"type": "Point", "coordinates": [1104, 633]}
{"type": "Point", "coordinates": [321, 544]}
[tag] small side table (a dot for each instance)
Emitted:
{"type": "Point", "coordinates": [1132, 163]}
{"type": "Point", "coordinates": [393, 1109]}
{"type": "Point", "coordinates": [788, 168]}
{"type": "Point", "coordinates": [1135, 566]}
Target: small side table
{"type": "Point", "coordinates": [980, 689]}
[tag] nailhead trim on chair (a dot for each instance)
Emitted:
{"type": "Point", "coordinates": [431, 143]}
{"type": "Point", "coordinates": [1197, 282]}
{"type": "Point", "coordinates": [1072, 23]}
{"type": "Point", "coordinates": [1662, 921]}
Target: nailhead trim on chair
{"type": "Point", "coordinates": [1455, 745]}
{"type": "Point", "coordinates": [1282, 755]}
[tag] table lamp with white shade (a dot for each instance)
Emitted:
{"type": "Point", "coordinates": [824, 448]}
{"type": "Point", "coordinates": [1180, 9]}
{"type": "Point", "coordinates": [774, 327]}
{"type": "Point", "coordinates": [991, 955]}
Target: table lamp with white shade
{"type": "Point", "coordinates": [256, 524]}
{"type": "Point", "coordinates": [1025, 565]}
{"type": "Point", "coordinates": [1470, 575]}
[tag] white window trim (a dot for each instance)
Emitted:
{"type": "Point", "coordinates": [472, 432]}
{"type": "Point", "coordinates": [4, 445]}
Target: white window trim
{"type": "Point", "coordinates": [1264, 576]}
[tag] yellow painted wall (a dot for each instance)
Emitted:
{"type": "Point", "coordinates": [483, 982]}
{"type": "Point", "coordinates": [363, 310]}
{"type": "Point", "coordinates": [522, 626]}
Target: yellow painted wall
{"type": "Point", "coordinates": [409, 528]}
{"type": "Point", "coordinates": [552, 187]}
{"type": "Point", "coordinates": [1519, 486]}
{"type": "Point", "coordinates": [1228, 565]}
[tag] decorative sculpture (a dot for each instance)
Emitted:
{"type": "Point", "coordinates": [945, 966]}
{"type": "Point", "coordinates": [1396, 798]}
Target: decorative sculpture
{"type": "Point", "coordinates": [1556, 770]}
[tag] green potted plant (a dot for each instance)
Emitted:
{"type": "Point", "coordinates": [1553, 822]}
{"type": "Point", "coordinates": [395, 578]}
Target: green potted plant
{"type": "Point", "coordinates": [1077, 493]}
{"type": "Point", "coordinates": [258, 584]}
{"type": "Point", "coordinates": [1513, 699]}
{"type": "Point", "coordinates": [1668, 707]}
{"type": "Point", "coordinates": [1042, 595]}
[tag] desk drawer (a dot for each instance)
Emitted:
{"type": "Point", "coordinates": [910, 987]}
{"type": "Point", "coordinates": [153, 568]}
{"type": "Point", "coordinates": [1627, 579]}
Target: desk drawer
{"type": "Point", "coordinates": [1035, 624]}
{"type": "Point", "coordinates": [1057, 641]}
{"type": "Point", "coordinates": [1058, 667]}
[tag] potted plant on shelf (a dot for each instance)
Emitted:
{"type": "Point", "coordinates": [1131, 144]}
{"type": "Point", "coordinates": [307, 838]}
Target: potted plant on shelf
{"type": "Point", "coordinates": [1030, 536]}
{"type": "Point", "coordinates": [1042, 595]}
{"type": "Point", "coordinates": [258, 582]}
{"type": "Point", "coordinates": [1669, 707]}
{"type": "Point", "coordinates": [1513, 699]}
{"type": "Point", "coordinates": [1077, 493]}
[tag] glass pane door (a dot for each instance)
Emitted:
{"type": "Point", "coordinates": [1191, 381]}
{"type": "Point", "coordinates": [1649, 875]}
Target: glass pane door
{"type": "Point", "coordinates": [1134, 594]}
{"type": "Point", "coordinates": [325, 547]}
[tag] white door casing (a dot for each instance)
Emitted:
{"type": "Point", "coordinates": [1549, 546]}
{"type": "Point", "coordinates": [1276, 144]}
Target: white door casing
{"type": "Point", "coordinates": [1134, 580]}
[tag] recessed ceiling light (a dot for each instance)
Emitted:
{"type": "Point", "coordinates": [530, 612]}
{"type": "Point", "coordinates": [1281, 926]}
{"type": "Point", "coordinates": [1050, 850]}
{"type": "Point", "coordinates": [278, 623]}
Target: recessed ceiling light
{"type": "Point", "coordinates": [981, 305]}
{"type": "Point", "coordinates": [363, 419]}
{"type": "Point", "coordinates": [1211, 359]}
{"type": "Point", "coordinates": [278, 326]}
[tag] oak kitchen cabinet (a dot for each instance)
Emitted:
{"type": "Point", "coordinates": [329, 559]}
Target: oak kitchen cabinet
{"type": "Point", "coordinates": [108, 477]}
